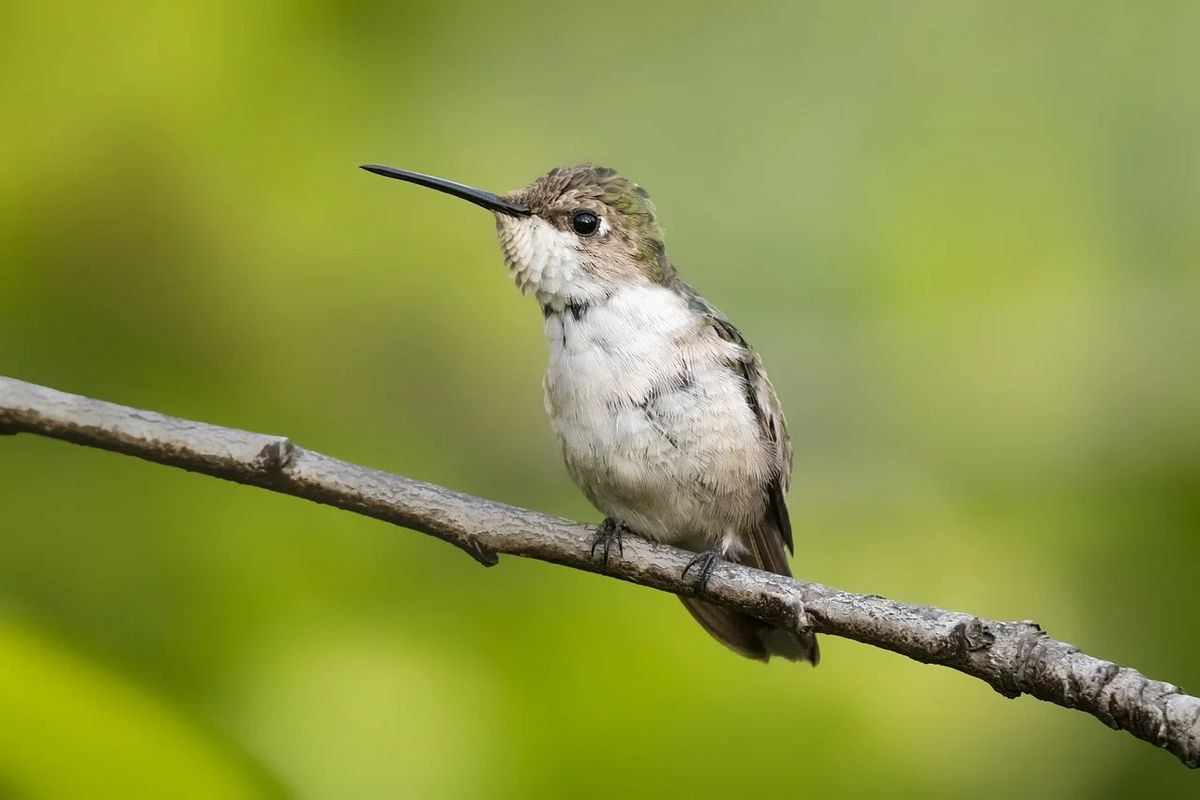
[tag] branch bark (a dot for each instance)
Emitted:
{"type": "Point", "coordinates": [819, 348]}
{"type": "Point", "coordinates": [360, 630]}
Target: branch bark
{"type": "Point", "coordinates": [1014, 658]}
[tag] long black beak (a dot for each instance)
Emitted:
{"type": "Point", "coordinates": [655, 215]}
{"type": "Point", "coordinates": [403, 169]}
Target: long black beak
{"type": "Point", "coordinates": [469, 193]}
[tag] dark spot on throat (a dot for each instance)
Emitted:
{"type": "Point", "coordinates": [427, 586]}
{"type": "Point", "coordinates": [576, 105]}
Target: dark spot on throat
{"type": "Point", "coordinates": [577, 309]}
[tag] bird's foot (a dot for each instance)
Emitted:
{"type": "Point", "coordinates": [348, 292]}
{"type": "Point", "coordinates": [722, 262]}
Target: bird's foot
{"type": "Point", "coordinates": [608, 534]}
{"type": "Point", "coordinates": [704, 563]}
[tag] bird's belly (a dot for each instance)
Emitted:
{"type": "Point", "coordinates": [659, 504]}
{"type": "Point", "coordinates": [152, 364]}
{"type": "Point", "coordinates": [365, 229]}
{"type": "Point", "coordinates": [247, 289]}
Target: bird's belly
{"type": "Point", "coordinates": [669, 446]}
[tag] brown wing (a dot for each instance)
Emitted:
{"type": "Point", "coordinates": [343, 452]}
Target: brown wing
{"type": "Point", "coordinates": [761, 397]}
{"type": "Point", "coordinates": [765, 542]}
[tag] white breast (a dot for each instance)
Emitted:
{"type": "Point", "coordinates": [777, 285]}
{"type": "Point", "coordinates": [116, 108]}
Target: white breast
{"type": "Point", "coordinates": [654, 423]}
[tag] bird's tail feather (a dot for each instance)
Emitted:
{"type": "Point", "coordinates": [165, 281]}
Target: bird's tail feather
{"type": "Point", "coordinates": [751, 637]}
{"type": "Point", "coordinates": [744, 634]}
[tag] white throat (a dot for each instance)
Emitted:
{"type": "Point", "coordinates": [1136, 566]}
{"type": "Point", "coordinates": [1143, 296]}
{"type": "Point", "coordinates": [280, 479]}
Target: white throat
{"type": "Point", "coordinates": [548, 262]}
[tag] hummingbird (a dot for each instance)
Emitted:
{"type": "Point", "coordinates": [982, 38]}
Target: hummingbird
{"type": "Point", "coordinates": [666, 418]}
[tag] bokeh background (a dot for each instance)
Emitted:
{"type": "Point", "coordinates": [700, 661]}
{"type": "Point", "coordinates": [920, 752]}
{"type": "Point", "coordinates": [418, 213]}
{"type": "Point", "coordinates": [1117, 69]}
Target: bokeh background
{"type": "Point", "coordinates": [964, 235]}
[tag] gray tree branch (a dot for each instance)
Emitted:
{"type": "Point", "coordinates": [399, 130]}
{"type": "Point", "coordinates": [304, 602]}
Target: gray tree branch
{"type": "Point", "coordinates": [1014, 658]}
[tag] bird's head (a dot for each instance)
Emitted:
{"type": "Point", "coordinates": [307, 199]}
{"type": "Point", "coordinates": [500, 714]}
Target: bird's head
{"type": "Point", "coordinates": [574, 235]}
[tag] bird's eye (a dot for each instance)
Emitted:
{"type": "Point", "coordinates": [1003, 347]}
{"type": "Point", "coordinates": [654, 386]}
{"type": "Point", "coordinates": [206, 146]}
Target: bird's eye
{"type": "Point", "coordinates": [585, 223]}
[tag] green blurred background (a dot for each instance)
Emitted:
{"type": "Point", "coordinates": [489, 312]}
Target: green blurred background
{"type": "Point", "coordinates": [965, 237]}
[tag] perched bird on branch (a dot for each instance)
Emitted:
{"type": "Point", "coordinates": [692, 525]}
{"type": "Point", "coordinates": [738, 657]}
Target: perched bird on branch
{"type": "Point", "coordinates": [665, 415]}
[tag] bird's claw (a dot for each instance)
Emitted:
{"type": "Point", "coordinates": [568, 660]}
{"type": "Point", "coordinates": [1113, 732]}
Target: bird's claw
{"type": "Point", "coordinates": [609, 533]}
{"type": "Point", "coordinates": [703, 563]}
